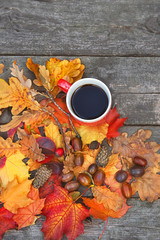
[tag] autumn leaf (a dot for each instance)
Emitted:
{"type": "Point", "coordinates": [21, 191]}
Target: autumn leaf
{"type": "Point", "coordinates": [7, 147]}
{"type": "Point", "coordinates": [136, 145]}
{"type": "Point", "coordinates": [92, 133]}
{"type": "Point", "coordinates": [52, 132]}
{"type": "Point", "coordinates": [16, 96]}
{"type": "Point", "coordinates": [69, 163]}
{"type": "Point", "coordinates": [1, 68]}
{"type": "Point", "coordinates": [19, 74]}
{"type": "Point", "coordinates": [110, 200]}
{"type": "Point", "coordinates": [33, 67]}
{"type": "Point", "coordinates": [30, 117]}
{"type": "Point", "coordinates": [15, 195]}
{"type": "Point", "coordinates": [30, 147]}
{"type": "Point", "coordinates": [99, 211]}
{"type": "Point", "coordinates": [63, 216]}
{"type": "Point", "coordinates": [14, 167]}
{"type": "Point", "coordinates": [26, 216]}
{"type": "Point", "coordinates": [114, 123]}
{"type": "Point", "coordinates": [56, 69]}
{"type": "Point", "coordinates": [148, 186]}
{"type": "Point", "coordinates": [6, 221]}
{"type": "Point", "coordinates": [113, 166]}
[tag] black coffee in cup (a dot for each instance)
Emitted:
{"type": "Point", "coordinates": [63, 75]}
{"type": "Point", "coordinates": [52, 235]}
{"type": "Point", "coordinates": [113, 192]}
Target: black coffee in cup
{"type": "Point", "coordinates": [89, 101]}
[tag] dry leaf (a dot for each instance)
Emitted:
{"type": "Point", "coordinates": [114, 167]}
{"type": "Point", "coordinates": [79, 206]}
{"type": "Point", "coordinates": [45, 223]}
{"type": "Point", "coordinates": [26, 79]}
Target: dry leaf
{"type": "Point", "coordinates": [52, 131]}
{"type": "Point", "coordinates": [16, 96]}
{"type": "Point", "coordinates": [7, 147]}
{"type": "Point", "coordinates": [44, 77]}
{"type": "Point", "coordinates": [30, 117]}
{"type": "Point", "coordinates": [110, 200]}
{"type": "Point", "coordinates": [14, 167]}
{"type": "Point", "coordinates": [69, 163]}
{"type": "Point", "coordinates": [19, 74]}
{"type": "Point", "coordinates": [30, 148]}
{"type": "Point", "coordinates": [148, 186]}
{"type": "Point", "coordinates": [92, 133]}
{"type": "Point", "coordinates": [135, 145]}
{"type": "Point", "coordinates": [15, 195]}
{"type": "Point", "coordinates": [1, 68]}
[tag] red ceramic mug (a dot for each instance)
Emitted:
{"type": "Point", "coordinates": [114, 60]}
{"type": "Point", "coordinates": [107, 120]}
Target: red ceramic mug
{"type": "Point", "coordinates": [96, 95]}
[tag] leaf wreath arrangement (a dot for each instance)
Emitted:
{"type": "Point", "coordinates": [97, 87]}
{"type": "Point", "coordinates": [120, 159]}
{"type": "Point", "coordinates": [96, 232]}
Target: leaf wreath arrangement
{"type": "Point", "coordinates": [50, 162]}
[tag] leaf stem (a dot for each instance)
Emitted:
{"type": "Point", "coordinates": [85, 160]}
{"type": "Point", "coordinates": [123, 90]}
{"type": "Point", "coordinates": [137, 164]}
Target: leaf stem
{"type": "Point", "coordinates": [103, 229]}
{"type": "Point", "coordinates": [84, 192]}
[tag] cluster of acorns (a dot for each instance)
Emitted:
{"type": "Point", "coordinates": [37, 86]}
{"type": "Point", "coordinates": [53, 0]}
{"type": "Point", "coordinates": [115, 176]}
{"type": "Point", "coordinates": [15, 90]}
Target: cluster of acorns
{"type": "Point", "coordinates": [85, 178]}
{"type": "Point", "coordinates": [137, 170]}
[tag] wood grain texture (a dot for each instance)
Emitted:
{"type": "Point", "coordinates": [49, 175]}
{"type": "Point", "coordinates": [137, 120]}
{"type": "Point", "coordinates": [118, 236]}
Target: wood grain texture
{"type": "Point", "coordinates": [140, 222]}
{"type": "Point", "coordinates": [102, 27]}
{"type": "Point", "coordinates": [134, 83]}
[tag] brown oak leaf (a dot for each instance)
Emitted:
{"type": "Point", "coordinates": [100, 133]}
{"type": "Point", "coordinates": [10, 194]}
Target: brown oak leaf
{"type": "Point", "coordinates": [136, 145]}
{"type": "Point", "coordinates": [148, 186]}
{"type": "Point", "coordinates": [110, 200]}
{"type": "Point", "coordinates": [69, 163]}
{"type": "Point", "coordinates": [30, 148]}
{"type": "Point", "coordinates": [7, 147]}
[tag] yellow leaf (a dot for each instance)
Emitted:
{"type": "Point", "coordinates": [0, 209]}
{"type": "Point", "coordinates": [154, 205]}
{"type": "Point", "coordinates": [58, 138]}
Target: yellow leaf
{"type": "Point", "coordinates": [92, 133]}
{"type": "Point", "coordinates": [14, 167]}
{"type": "Point", "coordinates": [16, 96]}
{"type": "Point", "coordinates": [52, 131]}
{"type": "Point", "coordinates": [15, 195]}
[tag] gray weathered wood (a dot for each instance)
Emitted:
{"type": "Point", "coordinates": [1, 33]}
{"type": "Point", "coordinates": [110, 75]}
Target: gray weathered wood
{"type": "Point", "coordinates": [140, 222]}
{"type": "Point", "coordinates": [134, 83]}
{"type": "Point", "coordinates": [102, 27]}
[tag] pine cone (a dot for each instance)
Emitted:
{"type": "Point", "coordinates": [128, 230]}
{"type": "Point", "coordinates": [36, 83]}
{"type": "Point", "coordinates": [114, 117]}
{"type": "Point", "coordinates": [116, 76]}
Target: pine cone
{"type": "Point", "coordinates": [42, 175]}
{"type": "Point", "coordinates": [103, 156]}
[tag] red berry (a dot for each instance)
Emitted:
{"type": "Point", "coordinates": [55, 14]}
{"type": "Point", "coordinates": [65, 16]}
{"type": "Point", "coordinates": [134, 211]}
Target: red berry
{"type": "Point", "coordinates": [59, 152]}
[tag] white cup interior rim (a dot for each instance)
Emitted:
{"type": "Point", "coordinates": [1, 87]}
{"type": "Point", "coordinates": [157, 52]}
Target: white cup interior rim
{"type": "Point", "coordinates": [82, 82]}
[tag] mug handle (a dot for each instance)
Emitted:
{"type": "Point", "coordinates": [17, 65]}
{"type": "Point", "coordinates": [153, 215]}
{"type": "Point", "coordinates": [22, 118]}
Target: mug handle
{"type": "Point", "coordinates": [64, 85]}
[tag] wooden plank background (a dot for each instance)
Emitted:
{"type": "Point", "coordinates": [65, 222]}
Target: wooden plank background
{"type": "Point", "coordinates": [119, 42]}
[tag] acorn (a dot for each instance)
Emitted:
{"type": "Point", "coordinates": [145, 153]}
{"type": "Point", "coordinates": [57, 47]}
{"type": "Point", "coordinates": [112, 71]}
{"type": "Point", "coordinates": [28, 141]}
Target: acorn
{"type": "Point", "coordinates": [77, 144]}
{"type": "Point", "coordinates": [84, 179]}
{"type": "Point", "coordinates": [79, 159]}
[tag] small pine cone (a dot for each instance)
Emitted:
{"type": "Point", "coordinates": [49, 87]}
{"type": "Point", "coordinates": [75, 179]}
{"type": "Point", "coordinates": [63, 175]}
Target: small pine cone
{"type": "Point", "coordinates": [42, 175]}
{"type": "Point", "coordinates": [103, 156]}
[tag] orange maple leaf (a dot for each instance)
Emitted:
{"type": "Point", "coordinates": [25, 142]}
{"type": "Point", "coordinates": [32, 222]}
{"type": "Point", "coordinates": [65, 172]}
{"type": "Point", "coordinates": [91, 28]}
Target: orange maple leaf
{"type": "Point", "coordinates": [97, 210]}
{"type": "Point", "coordinates": [15, 195]}
{"type": "Point", "coordinates": [63, 216]}
{"type": "Point", "coordinates": [27, 215]}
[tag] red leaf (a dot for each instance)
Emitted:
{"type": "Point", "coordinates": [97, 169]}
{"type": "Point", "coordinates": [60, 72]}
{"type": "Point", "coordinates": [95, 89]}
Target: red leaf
{"type": "Point", "coordinates": [2, 161]}
{"type": "Point", "coordinates": [47, 145]}
{"type": "Point", "coordinates": [63, 216]}
{"type": "Point", "coordinates": [6, 221]}
{"type": "Point", "coordinates": [27, 215]}
{"type": "Point", "coordinates": [114, 122]}
{"type": "Point", "coordinates": [48, 187]}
